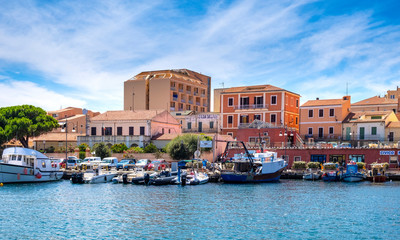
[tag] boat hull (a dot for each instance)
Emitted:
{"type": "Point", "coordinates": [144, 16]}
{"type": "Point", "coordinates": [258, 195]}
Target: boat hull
{"type": "Point", "coordinates": [232, 177]}
{"type": "Point", "coordinates": [377, 178]}
{"type": "Point", "coordinates": [353, 177]}
{"type": "Point", "coordinates": [19, 174]}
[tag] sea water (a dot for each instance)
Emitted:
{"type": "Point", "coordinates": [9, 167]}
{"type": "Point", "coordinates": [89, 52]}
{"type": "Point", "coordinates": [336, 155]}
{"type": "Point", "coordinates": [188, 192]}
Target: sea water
{"type": "Point", "coordinates": [290, 209]}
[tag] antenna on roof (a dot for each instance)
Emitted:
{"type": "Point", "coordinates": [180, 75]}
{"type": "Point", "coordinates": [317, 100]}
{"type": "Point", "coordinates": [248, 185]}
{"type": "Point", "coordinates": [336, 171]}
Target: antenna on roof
{"type": "Point", "coordinates": [223, 85]}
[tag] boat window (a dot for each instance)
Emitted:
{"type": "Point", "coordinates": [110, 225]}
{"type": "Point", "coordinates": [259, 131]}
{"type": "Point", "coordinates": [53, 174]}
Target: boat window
{"type": "Point", "coordinates": [43, 164]}
{"type": "Point", "coordinates": [14, 157]}
{"type": "Point", "coordinates": [19, 158]}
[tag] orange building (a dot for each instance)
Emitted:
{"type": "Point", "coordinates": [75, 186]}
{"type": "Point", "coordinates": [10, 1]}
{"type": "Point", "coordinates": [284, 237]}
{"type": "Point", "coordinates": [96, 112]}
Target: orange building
{"type": "Point", "coordinates": [322, 119]}
{"type": "Point", "coordinates": [172, 90]}
{"type": "Point", "coordinates": [239, 106]}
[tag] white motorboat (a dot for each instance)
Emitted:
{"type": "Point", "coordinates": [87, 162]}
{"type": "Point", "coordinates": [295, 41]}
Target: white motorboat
{"type": "Point", "coordinates": [310, 175]}
{"type": "Point", "coordinates": [196, 178]}
{"type": "Point", "coordinates": [96, 176]}
{"type": "Point", "coordinates": [24, 165]}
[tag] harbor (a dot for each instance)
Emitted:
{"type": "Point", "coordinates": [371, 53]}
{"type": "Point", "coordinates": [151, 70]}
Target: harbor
{"type": "Point", "coordinates": [290, 209]}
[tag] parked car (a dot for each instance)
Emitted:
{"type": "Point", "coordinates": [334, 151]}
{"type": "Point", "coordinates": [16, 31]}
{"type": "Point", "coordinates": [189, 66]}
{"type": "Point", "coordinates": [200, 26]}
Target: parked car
{"type": "Point", "coordinates": [158, 164]}
{"type": "Point", "coordinates": [142, 163]}
{"type": "Point", "coordinates": [89, 162]}
{"type": "Point", "coordinates": [333, 144]}
{"type": "Point", "coordinates": [73, 161]}
{"type": "Point", "coordinates": [126, 164]}
{"type": "Point", "coordinates": [345, 145]}
{"type": "Point", "coordinates": [109, 162]}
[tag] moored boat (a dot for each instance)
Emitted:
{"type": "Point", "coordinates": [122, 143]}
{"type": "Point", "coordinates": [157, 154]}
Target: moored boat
{"type": "Point", "coordinates": [310, 175]}
{"type": "Point", "coordinates": [248, 168]}
{"type": "Point", "coordinates": [24, 165]}
{"type": "Point", "coordinates": [352, 174]}
{"type": "Point", "coordinates": [377, 173]}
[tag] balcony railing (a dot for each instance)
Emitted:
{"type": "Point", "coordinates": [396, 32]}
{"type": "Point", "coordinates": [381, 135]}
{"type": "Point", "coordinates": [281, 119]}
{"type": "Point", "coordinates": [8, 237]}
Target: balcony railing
{"type": "Point", "coordinates": [190, 101]}
{"type": "Point", "coordinates": [172, 109]}
{"type": "Point", "coordinates": [173, 88]}
{"type": "Point", "coordinates": [204, 104]}
{"type": "Point", "coordinates": [180, 90]}
{"type": "Point", "coordinates": [203, 95]}
{"type": "Point", "coordinates": [195, 93]}
{"type": "Point", "coordinates": [188, 92]}
{"type": "Point", "coordinates": [183, 100]}
{"type": "Point", "coordinates": [198, 103]}
{"type": "Point", "coordinates": [250, 106]}
{"type": "Point", "coordinates": [175, 98]}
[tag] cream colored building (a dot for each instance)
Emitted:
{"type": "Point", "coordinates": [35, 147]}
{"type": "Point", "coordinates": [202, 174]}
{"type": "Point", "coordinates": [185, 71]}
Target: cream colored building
{"type": "Point", "coordinates": [130, 127]}
{"type": "Point", "coordinates": [367, 126]}
{"type": "Point", "coordinates": [172, 90]}
{"type": "Point", "coordinates": [193, 122]}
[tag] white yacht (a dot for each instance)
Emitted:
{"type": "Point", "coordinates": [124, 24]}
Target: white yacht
{"type": "Point", "coordinates": [23, 165]}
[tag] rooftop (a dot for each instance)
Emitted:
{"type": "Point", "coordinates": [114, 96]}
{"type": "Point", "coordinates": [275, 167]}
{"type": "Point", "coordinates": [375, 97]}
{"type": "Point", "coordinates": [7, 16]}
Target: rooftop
{"type": "Point", "coordinates": [256, 88]}
{"type": "Point", "coordinates": [127, 115]}
{"type": "Point", "coordinates": [375, 101]}
{"type": "Point", "coordinates": [324, 102]}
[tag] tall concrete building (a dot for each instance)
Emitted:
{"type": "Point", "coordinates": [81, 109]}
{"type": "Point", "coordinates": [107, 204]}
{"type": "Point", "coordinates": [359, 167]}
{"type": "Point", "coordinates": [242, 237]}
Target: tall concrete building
{"type": "Point", "coordinates": [172, 90]}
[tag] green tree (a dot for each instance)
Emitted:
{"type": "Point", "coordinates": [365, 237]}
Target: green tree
{"type": "Point", "coordinates": [83, 147]}
{"type": "Point", "coordinates": [23, 122]}
{"type": "Point", "coordinates": [184, 146]}
{"type": "Point", "coordinates": [101, 150]}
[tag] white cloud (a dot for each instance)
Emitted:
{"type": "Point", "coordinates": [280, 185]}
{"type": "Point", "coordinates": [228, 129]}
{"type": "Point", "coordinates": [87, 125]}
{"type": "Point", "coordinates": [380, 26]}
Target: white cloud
{"type": "Point", "coordinates": [18, 93]}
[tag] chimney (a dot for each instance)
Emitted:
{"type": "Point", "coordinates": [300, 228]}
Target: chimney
{"type": "Point", "coordinates": [317, 98]}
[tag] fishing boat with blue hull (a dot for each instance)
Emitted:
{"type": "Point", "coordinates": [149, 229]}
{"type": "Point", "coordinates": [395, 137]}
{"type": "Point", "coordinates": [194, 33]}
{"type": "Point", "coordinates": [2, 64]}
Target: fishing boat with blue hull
{"type": "Point", "coordinates": [352, 174]}
{"type": "Point", "coordinates": [252, 168]}
{"type": "Point", "coordinates": [24, 165]}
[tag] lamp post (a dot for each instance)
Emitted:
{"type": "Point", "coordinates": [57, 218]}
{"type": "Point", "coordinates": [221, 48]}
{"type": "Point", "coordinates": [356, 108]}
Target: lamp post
{"type": "Point", "coordinates": [65, 128]}
{"type": "Point", "coordinates": [44, 146]}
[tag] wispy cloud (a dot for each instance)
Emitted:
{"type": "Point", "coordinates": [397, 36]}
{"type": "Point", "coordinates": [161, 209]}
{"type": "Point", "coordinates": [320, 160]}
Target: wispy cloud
{"type": "Point", "coordinates": [91, 48]}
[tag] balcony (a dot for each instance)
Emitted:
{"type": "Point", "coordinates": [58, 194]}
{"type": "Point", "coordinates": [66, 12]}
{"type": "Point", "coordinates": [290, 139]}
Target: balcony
{"type": "Point", "coordinates": [183, 100]}
{"type": "Point", "coordinates": [251, 106]}
{"type": "Point", "coordinates": [203, 95]}
{"type": "Point", "coordinates": [172, 108]}
{"type": "Point", "coordinates": [175, 98]}
{"type": "Point", "coordinates": [198, 103]}
{"type": "Point", "coordinates": [190, 101]}
{"type": "Point", "coordinates": [173, 88]}
{"type": "Point", "coordinates": [180, 90]}
{"type": "Point", "coordinates": [204, 104]}
{"type": "Point", "coordinates": [188, 92]}
{"type": "Point", "coordinates": [196, 93]}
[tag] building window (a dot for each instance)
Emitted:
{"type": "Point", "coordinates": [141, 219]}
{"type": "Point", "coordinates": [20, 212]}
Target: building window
{"type": "Point", "coordinates": [331, 112]}
{"type": "Point", "coordinates": [119, 131]}
{"type": "Point", "coordinates": [257, 116]}
{"type": "Point", "coordinates": [189, 125]}
{"type": "Point", "coordinates": [259, 102]}
{"type": "Point", "coordinates": [321, 113]}
{"type": "Point", "coordinates": [310, 131]}
{"type": "Point", "coordinates": [230, 119]}
{"type": "Point", "coordinates": [297, 158]}
{"type": "Point", "coordinates": [392, 97]}
{"type": "Point", "coordinates": [244, 102]}
{"type": "Point", "coordinates": [273, 100]}
{"type": "Point", "coordinates": [108, 131]}
{"type": "Point", "coordinates": [230, 134]}
{"type": "Point", "coordinates": [131, 131]}
{"type": "Point", "coordinates": [211, 124]}
{"type": "Point", "coordinates": [330, 130]}
{"type": "Point", "coordinates": [373, 130]}
{"type": "Point", "coordinates": [297, 120]}
{"type": "Point", "coordinates": [273, 118]}
{"type": "Point", "coordinates": [297, 102]}
{"type": "Point", "coordinates": [141, 130]}
{"type": "Point", "coordinates": [93, 131]}
{"type": "Point", "coordinates": [310, 113]}
{"type": "Point", "coordinates": [230, 102]}
{"type": "Point", "coordinates": [320, 132]}
{"type": "Point", "coordinates": [357, 158]}
{"type": "Point", "coordinates": [244, 119]}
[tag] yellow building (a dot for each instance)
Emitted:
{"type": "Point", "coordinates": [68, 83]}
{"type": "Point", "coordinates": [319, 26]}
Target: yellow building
{"type": "Point", "coordinates": [172, 90]}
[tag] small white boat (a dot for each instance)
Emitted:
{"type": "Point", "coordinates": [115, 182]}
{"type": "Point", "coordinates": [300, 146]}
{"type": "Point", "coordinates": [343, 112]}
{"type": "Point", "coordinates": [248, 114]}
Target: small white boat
{"type": "Point", "coordinates": [24, 165]}
{"type": "Point", "coordinates": [98, 176]}
{"type": "Point", "coordinates": [196, 178]}
{"type": "Point", "coordinates": [311, 175]}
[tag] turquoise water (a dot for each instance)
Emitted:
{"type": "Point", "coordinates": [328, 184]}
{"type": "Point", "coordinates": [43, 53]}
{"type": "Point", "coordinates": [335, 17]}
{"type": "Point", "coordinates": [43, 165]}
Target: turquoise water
{"type": "Point", "coordinates": [291, 209]}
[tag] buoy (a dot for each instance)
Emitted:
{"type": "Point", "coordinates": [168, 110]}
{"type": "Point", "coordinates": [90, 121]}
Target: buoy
{"type": "Point", "coordinates": [1, 184]}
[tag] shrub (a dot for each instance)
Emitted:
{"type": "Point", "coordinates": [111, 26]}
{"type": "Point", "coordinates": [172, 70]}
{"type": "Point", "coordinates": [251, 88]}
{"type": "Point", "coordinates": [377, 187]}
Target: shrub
{"type": "Point", "coordinates": [83, 147]}
{"type": "Point", "coordinates": [360, 165]}
{"type": "Point", "coordinates": [119, 148]}
{"type": "Point", "coordinates": [151, 148]}
{"type": "Point", "coordinates": [158, 154]}
{"type": "Point", "coordinates": [135, 150]}
{"type": "Point", "coordinates": [50, 149]}
{"type": "Point", "coordinates": [313, 165]}
{"type": "Point", "coordinates": [184, 146]}
{"type": "Point", "coordinates": [299, 165]}
{"type": "Point", "coordinates": [82, 155]}
{"type": "Point", "coordinates": [330, 167]}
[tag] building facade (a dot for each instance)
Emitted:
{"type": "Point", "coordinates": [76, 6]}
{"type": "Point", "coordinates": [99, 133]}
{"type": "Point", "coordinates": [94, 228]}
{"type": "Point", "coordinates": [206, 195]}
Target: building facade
{"type": "Point", "coordinates": [242, 105]}
{"type": "Point", "coordinates": [192, 122]}
{"type": "Point", "coordinates": [321, 120]}
{"type": "Point", "coordinates": [172, 90]}
{"type": "Point", "coordinates": [130, 127]}
{"type": "Point", "coordinates": [364, 127]}
{"type": "Point", "coordinates": [376, 104]}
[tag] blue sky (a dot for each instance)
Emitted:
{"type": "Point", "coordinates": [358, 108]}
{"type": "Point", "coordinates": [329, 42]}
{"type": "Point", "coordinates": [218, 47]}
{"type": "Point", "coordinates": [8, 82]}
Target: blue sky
{"type": "Point", "coordinates": [56, 54]}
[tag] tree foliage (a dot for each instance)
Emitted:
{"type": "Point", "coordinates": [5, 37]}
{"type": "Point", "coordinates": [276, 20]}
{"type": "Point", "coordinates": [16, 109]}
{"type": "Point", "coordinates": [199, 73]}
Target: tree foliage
{"type": "Point", "coordinates": [119, 148]}
{"type": "Point", "coordinates": [151, 148]}
{"type": "Point", "coordinates": [101, 150]}
{"type": "Point", "coordinates": [23, 122]}
{"type": "Point", "coordinates": [83, 147]}
{"type": "Point", "coordinates": [184, 146]}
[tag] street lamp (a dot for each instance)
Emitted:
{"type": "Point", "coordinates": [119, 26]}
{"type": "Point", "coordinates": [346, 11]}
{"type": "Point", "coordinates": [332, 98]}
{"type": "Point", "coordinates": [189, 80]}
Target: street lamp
{"type": "Point", "coordinates": [65, 129]}
{"type": "Point", "coordinates": [44, 146]}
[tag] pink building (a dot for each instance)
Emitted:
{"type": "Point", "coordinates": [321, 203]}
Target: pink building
{"type": "Point", "coordinates": [130, 127]}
